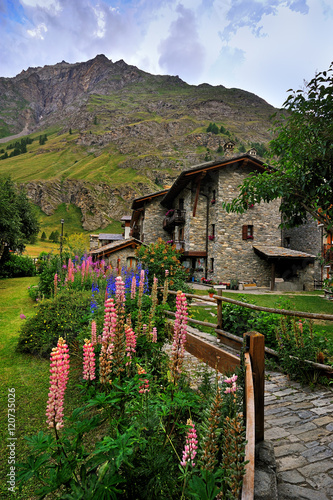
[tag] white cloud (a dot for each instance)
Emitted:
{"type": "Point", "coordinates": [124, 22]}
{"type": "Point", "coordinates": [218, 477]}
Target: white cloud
{"type": "Point", "coordinates": [52, 5]}
{"type": "Point", "coordinates": [38, 32]}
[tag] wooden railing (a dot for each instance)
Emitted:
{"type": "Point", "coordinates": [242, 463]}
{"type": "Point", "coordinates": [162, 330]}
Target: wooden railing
{"type": "Point", "coordinates": [224, 361]}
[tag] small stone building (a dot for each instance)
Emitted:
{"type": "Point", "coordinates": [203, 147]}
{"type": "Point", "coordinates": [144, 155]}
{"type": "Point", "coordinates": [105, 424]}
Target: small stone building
{"type": "Point", "coordinates": [118, 254]}
{"type": "Point", "coordinates": [227, 248]}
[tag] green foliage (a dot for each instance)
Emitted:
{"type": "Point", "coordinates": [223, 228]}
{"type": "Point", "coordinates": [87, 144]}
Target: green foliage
{"type": "Point", "coordinates": [43, 236]}
{"type": "Point", "coordinates": [64, 316]}
{"type": "Point", "coordinates": [302, 174]}
{"type": "Point", "coordinates": [18, 222]}
{"type": "Point", "coordinates": [54, 236]}
{"type": "Point", "coordinates": [17, 266]}
{"type": "Point", "coordinates": [42, 139]}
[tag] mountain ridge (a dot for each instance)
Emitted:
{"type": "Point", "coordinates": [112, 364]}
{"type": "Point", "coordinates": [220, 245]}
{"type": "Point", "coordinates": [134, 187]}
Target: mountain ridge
{"type": "Point", "coordinates": [112, 124]}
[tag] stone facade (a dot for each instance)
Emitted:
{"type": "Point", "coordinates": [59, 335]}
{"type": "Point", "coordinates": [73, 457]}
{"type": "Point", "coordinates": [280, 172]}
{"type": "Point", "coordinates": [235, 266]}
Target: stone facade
{"type": "Point", "coordinates": [306, 238]}
{"type": "Point", "coordinates": [218, 245]}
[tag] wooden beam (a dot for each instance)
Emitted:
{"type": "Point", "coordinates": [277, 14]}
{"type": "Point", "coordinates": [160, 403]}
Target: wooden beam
{"type": "Point", "coordinates": [219, 310]}
{"type": "Point", "coordinates": [214, 356]}
{"type": "Point", "coordinates": [255, 344]}
{"type": "Point", "coordinates": [273, 276]}
{"type": "Point", "coordinates": [248, 481]}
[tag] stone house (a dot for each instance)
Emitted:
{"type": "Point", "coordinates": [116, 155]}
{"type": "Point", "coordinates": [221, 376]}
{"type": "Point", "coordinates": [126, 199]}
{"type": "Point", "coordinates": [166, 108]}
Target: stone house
{"type": "Point", "coordinates": [117, 250]}
{"type": "Point", "coordinates": [226, 248]}
{"type": "Point", "coordinates": [118, 254]}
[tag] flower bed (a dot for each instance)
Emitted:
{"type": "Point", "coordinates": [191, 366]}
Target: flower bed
{"type": "Point", "coordinates": [140, 430]}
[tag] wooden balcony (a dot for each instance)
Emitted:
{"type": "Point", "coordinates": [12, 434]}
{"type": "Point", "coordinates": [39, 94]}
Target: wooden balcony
{"type": "Point", "coordinates": [174, 218]}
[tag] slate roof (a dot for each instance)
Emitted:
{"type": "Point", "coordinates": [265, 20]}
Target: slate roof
{"type": "Point", "coordinates": [110, 236]}
{"type": "Point", "coordinates": [114, 246]}
{"type": "Point", "coordinates": [275, 252]}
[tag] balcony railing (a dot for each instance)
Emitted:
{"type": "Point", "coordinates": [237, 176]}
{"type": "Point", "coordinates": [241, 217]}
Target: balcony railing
{"type": "Point", "coordinates": [173, 218]}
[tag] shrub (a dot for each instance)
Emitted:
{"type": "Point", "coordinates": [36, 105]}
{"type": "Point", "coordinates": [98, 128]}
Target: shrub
{"type": "Point", "coordinates": [64, 316]}
{"type": "Point", "coordinates": [161, 259]}
{"type": "Point", "coordinates": [17, 267]}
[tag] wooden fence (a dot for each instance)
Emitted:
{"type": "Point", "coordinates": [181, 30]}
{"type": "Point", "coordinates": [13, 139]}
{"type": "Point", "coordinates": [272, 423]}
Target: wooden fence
{"type": "Point", "coordinates": [224, 361]}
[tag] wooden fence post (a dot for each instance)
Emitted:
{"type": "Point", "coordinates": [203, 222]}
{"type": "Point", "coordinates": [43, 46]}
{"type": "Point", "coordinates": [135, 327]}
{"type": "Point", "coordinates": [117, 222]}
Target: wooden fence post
{"type": "Point", "coordinates": [255, 345]}
{"type": "Point", "coordinates": [219, 310]}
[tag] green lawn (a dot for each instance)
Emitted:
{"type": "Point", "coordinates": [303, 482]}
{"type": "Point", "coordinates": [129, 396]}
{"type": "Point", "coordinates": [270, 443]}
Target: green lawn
{"type": "Point", "coordinates": [312, 302]}
{"type": "Point", "coordinates": [28, 375]}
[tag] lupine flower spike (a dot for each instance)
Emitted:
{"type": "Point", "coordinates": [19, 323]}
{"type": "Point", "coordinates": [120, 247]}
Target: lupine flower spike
{"type": "Point", "coordinates": [93, 333]}
{"type": "Point", "coordinates": [191, 445]}
{"type": "Point", "coordinates": [59, 369]}
{"type": "Point", "coordinates": [144, 383]}
{"type": "Point", "coordinates": [179, 337]}
{"type": "Point", "coordinates": [88, 361]}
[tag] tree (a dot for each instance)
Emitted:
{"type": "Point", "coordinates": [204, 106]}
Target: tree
{"type": "Point", "coordinates": [43, 236]}
{"type": "Point", "coordinates": [301, 172]}
{"type": "Point", "coordinates": [18, 221]}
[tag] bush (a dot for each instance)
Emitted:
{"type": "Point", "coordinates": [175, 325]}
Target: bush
{"type": "Point", "coordinates": [161, 259]}
{"type": "Point", "coordinates": [64, 316]}
{"type": "Point", "coordinates": [17, 267]}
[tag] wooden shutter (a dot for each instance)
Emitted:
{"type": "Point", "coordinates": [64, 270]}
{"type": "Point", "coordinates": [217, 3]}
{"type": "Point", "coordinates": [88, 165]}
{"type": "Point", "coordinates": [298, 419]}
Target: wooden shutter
{"type": "Point", "coordinates": [244, 232]}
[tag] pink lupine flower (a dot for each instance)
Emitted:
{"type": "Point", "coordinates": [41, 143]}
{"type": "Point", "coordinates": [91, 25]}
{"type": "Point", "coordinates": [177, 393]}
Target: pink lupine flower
{"type": "Point", "coordinates": [130, 343]}
{"type": "Point", "coordinates": [120, 294]}
{"type": "Point", "coordinates": [232, 381]}
{"type": "Point", "coordinates": [191, 446]}
{"type": "Point", "coordinates": [23, 316]}
{"type": "Point", "coordinates": [154, 334]}
{"type": "Point", "coordinates": [59, 368]}
{"type": "Point", "coordinates": [93, 333]}
{"type": "Point", "coordinates": [88, 361]}
{"type": "Point", "coordinates": [144, 383]}
{"type": "Point", "coordinates": [83, 270]}
{"type": "Point", "coordinates": [133, 288]}
{"type": "Point", "coordinates": [179, 336]}
{"type": "Point", "coordinates": [300, 326]}
{"type": "Point", "coordinates": [144, 329]}
{"type": "Point", "coordinates": [70, 271]}
{"type": "Point", "coordinates": [107, 340]}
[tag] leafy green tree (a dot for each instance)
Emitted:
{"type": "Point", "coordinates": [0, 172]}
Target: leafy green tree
{"type": "Point", "coordinates": [301, 158]}
{"type": "Point", "coordinates": [43, 236]}
{"type": "Point", "coordinates": [18, 221]}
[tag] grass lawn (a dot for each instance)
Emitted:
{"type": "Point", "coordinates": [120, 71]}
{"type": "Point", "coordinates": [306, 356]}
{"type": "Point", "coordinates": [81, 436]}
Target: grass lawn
{"type": "Point", "coordinates": [300, 301]}
{"type": "Point", "coordinates": [28, 375]}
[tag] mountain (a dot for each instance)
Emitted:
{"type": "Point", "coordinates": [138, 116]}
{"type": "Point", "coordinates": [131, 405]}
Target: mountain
{"type": "Point", "coordinates": [115, 132]}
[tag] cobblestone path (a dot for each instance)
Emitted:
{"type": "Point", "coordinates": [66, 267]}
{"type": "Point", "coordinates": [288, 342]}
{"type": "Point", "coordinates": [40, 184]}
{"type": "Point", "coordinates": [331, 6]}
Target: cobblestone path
{"type": "Point", "coordinates": [299, 423]}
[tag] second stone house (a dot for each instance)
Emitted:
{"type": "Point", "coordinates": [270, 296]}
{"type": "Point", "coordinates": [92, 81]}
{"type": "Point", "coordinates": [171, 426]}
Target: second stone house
{"type": "Point", "coordinates": [227, 248]}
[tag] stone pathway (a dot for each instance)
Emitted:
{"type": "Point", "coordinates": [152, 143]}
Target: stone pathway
{"type": "Point", "coordinates": [299, 423]}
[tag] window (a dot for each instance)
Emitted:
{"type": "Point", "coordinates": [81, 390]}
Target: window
{"type": "Point", "coordinates": [211, 265]}
{"type": "Point", "coordinates": [181, 203]}
{"type": "Point", "coordinates": [247, 232]}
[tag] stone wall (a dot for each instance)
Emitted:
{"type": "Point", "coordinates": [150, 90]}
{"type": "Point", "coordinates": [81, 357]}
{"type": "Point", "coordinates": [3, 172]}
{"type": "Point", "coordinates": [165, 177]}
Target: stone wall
{"type": "Point", "coordinates": [123, 255]}
{"type": "Point", "coordinates": [306, 238]}
{"type": "Point", "coordinates": [153, 222]}
{"type": "Point", "coordinates": [234, 258]}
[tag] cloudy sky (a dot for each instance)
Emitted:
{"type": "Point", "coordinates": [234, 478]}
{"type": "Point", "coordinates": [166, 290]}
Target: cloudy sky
{"type": "Point", "coordinates": [263, 46]}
